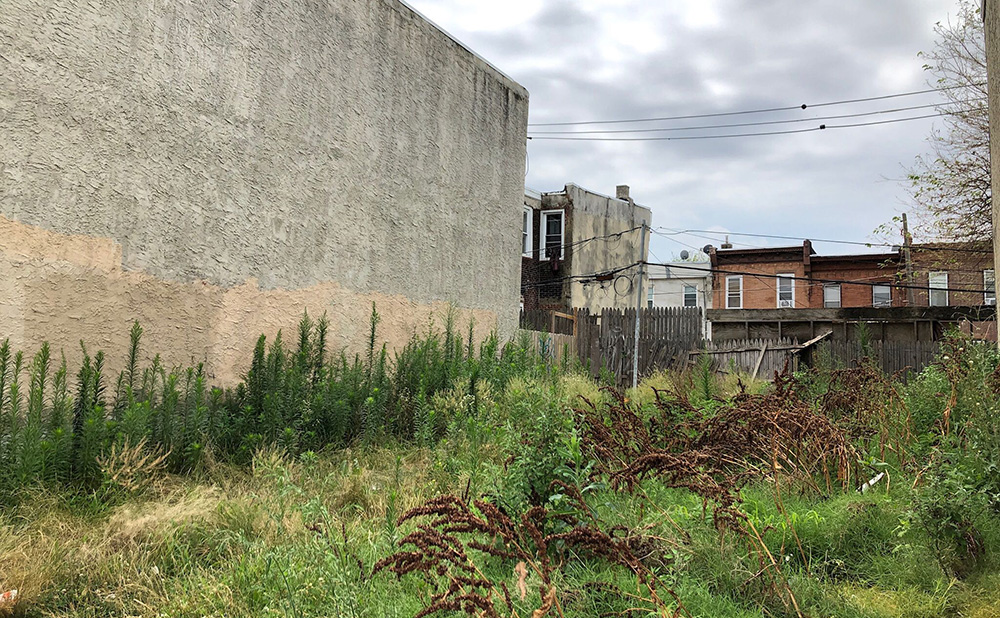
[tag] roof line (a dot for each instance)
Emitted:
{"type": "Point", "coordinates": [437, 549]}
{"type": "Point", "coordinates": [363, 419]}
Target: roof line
{"type": "Point", "coordinates": [458, 42]}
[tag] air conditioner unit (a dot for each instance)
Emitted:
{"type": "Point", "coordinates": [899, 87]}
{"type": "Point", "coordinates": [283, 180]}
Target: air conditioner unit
{"type": "Point", "coordinates": [785, 304]}
{"type": "Point", "coordinates": [991, 301]}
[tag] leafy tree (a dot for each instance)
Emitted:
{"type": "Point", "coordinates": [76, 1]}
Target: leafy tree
{"type": "Point", "coordinates": [951, 185]}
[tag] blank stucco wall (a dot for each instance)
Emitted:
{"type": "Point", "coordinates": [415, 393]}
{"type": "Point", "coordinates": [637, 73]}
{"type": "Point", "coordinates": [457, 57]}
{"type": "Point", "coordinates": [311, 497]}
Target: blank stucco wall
{"type": "Point", "coordinates": [256, 149]}
{"type": "Point", "coordinates": [593, 216]}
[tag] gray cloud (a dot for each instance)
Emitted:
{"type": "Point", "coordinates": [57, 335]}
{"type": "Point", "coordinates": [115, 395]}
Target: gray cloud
{"type": "Point", "coordinates": [653, 59]}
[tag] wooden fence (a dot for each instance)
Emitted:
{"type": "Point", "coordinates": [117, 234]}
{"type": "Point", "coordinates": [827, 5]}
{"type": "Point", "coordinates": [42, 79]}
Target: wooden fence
{"type": "Point", "coordinates": [902, 357]}
{"type": "Point", "coordinates": [756, 357]}
{"type": "Point", "coordinates": [558, 322]}
{"type": "Point", "coordinates": [551, 346]}
{"type": "Point", "coordinates": [672, 337]}
{"type": "Point", "coordinates": [606, 340]}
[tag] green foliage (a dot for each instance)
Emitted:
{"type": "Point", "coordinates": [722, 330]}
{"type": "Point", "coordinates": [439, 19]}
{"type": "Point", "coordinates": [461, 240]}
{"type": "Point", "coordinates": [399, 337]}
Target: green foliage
{"type": "Point", "coordinates": [299, 398]}
{"type": "Point", "coordinates": [946, 507]}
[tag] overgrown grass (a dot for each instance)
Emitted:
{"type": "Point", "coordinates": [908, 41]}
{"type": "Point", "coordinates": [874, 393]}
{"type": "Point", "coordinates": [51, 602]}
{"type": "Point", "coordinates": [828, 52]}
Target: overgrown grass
{"type": "Point", "coordinates": [281, 496]}
{"type": "Point", "coordinates": [299, 397]}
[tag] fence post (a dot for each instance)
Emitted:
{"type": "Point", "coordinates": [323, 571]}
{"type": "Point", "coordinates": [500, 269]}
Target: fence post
{"type": "Point", "coordinates": [638, 303]}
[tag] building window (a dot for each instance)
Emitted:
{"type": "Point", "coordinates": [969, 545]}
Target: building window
{"type": "Point", "coordinates": [553, 228]}
{"type": "Point", "coordinates": [990, 286]}
{"type": "Point", "coordinates": [881, 296]}
{"type": "Point", "coordinates": [938, 284]}
{"type": "Point", "coordinates": [649, 297]}
{"type": "Point", "coordinates": [690, 296]}
{"type": "Point", "coordinates": [527, 227]}
{"type": "Point", "coordinates": [734, 292]}
{"type": "Point", "coordinates": [831, 295]}
{"type": "Point", "coordinates": [786, 291]}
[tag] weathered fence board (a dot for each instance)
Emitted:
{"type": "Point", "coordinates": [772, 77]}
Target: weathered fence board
{"type": "Point", "coordinates": [902, 357]}
{"type": "Point", "coordinates": [760, 357]}
{"type": "Point", "coordinates": [606, 340]}
{"type": "Point", "coordinates": [668, 335]}
{"type": "Point", "coordinates": [552, 346]}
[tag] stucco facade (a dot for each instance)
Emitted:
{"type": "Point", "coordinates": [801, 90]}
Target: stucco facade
{"type": "Point", "coordinates": [600, 234]}
{"type": "Point", "coordinates": [213, 168]}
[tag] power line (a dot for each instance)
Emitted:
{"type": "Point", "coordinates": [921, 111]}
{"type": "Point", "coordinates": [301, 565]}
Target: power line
{"type": "Point", "coordinates": [918, 248]}
{"type": "Point", "coordinates": [821, 127]}
{"type": "Point", "coordinates": [605, 276]}
{"type": "Point", "coordinates": [755, 124]}
{"type": "Point", "coordinates": [752, 111]}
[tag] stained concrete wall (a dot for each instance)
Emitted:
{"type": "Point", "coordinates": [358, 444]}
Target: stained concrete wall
{"type": "Point", "coordinates": [216, 167]}
{"type": "Point", "coordinates": [595, 215]}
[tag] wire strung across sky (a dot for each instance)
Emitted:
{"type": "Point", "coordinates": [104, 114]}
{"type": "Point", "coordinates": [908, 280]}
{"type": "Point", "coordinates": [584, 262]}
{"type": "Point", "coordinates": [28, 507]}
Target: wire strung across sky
{"type": "Point", "coordinates": [608, 275]}
{"type": "Point", "coordinates": [756, 124]}
{"type": "Point", "coordinates": [822, 127]}
{"type": "Point", "coordinates": [916, 248]}
{"type": "Point", "coordinates": [753, 111]}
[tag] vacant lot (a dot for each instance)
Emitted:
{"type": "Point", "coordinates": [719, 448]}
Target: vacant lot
{"type": "Point", "coordinates": [464, 478]}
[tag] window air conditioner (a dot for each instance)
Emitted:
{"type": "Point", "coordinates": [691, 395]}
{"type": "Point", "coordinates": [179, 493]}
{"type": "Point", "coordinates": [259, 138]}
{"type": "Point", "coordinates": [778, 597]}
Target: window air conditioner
{"type": "Point", "coordinates": [991, 301]}
{"type": "Point", "coordinates": [785, 304]}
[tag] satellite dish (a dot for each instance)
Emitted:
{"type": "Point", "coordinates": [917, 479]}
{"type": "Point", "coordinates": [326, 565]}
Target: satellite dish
{"type": "Point", "coordinates": [685, 255]}
{"type": "Point", "coordinates": [707, 248]}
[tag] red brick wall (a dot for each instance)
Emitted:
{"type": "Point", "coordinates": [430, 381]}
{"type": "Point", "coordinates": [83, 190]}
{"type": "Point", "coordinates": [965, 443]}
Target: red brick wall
{"type": "Point", "coordinates": [860, 295]}
{"type": "Point", "coordinates": [761, 292]}
{"type": "Point", "coordinates": [965, 270]}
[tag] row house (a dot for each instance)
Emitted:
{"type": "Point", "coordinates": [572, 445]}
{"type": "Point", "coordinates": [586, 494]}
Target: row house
{"type": "Point", "coordinates": [943, 275]}
{"type": "Point", "coordinates": [776, 291]}
{"type": "Point", "coordinates": [569, 238]}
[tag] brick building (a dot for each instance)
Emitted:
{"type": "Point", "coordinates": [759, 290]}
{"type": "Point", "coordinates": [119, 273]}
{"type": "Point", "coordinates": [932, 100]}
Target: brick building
{"type": "Point", "coordinates": [791, 291]}
{"type": "Point", "coordinates": [949, 275]}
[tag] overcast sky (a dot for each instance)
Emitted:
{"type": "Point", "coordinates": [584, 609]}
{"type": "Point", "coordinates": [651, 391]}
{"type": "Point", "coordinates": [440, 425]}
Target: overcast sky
{"type": "Point", "coordinates": [585, 60]}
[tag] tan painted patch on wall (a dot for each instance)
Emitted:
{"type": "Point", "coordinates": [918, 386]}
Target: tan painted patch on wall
{"type": "Point", "coordinates": [62, 288]}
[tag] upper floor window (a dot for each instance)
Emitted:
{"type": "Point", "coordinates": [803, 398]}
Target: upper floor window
{"type": "Point", "coordinates": [734, 292]}
{"type": "Point", "coordinates": [649, 297]}
{"type": "Point", "coordinates": [786, 290]}
{"type": "Point", "coordinates": [990, 287]}
{"type": "Point", "coordinates": [690, 296]}
{"type": "Point", "coordinates": [553, 228]}
{"type": "Point", "coordinates": [527, 229]}
{"type": "Point", "coordinates": [938, 284]}
{"type": "Point", "coordinates": [881, 295]}
{"type": "Point", "coordinates": [831, 295]}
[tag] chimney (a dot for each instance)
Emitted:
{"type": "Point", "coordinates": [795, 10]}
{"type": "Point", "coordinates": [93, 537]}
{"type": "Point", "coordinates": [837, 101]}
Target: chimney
{"type": "Point", "coordinates": [622, 192]}
{"type": "Point", "coordinates": [727, 244]}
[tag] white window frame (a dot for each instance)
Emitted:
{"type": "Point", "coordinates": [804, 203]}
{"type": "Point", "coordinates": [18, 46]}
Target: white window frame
{"type": "Point", "coordinates": [684, 295]}
{"type": "Point", "coordinates": [649, 296]}
{"type": "Point", "coordinates": [875, 287]}
{"type": "Point", "coordinates": [989, 281]}
{"type": "Point", "coordinates": [777, 289]}
{"type": "Point", "coordinates": [738, 278]}
{"type": "Point", "coordinates": [543, 245]}
{"type": "Point", "coordinates": [840, 296]}
{"type": "Point", "coordinates": [936, 286]}
{"type": "Point", "coordinates": [528, 232]}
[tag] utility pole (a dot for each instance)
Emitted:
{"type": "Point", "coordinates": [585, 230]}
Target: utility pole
{"type": "Point", "coordinates": [638, 302]}
{"type": "Point", "coordinates": [990, 10]}
{"type": "Point", "coordinates": [907, 243]}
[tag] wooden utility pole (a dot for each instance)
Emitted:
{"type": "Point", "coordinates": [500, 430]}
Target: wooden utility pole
{"type": "Point", "coordinates": [991, 17]}
{"type": "Point", "coordinates": [639, 296]}
{"type": "Point", "coordinates": [907, 243]}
